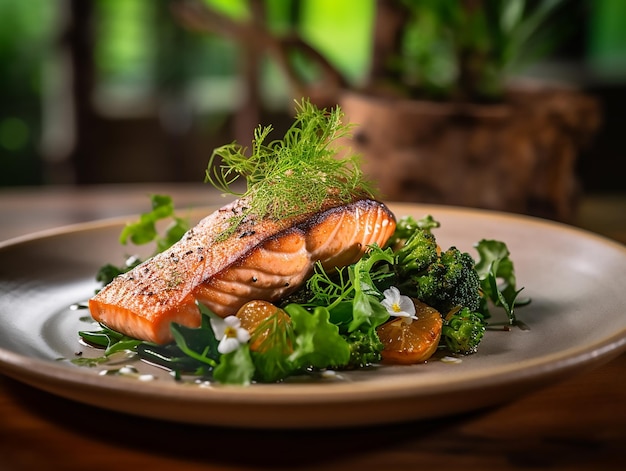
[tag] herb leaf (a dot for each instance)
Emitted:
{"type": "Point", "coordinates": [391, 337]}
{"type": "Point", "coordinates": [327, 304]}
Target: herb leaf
{"type": "Point", "coordinates": [144, 230]}
{"type": "Point", "coordinates": [235, 367]}
{"type": "Point", "coordinates": [497, 276]}
{"type": "Point", "coordinates": [198, 343]}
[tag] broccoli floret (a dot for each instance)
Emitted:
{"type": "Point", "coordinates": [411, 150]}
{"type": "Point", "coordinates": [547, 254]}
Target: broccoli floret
{"type": "Point", "coordinates": [448, 283]}
{"type": "Point", "coordinates": [417, 254]}
{"type": "Point", "coordinates": [365, 348]}
{"type": "Point", "coordinates": [463, 330]}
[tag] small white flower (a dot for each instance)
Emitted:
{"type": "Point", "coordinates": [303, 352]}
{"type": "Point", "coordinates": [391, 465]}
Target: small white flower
{"type": "Point", "coordinates": [397, 304]}
{"type": "Point", "coordinates": [230, 333]}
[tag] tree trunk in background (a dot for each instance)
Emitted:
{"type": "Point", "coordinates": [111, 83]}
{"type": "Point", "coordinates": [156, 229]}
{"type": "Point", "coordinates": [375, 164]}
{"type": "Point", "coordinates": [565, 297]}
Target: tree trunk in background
{"type": "Point", "coordinates": [80, 40]}
{"type": "Point", "coordinates": [388, 24]}
{"type": "Point", "coordinates": [248, 116]}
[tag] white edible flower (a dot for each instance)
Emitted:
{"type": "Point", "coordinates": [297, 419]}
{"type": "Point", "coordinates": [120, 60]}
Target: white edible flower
{"type": "Point", "coordinates": [397, 304]}
{"type": "Point", "coordinates": [230, 333]}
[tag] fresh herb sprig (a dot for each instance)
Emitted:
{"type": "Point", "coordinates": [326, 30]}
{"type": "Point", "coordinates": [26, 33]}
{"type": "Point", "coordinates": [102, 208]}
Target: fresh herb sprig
{"type": "Point", "coordinates": [293, 175]}
{"type": "Point", "coordinates": [496, 272]}
{"type": "Point", "coordinates": [144, 231]}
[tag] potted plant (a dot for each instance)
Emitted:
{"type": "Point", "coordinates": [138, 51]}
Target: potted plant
{"type": "Point", "coordinates": [441, 122]}
{"type": "Point", "coordinates": [439, 119]}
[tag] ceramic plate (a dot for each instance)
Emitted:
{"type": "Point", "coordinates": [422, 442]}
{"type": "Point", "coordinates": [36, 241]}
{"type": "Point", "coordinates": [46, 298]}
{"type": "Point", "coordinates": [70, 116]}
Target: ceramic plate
{"type": "Point", "coordinates": [576, 321]}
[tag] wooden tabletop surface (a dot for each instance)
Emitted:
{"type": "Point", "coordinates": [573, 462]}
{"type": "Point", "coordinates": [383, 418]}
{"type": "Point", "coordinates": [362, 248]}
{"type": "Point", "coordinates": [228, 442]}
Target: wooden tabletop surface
{"type": "Point", "coordinates": [576, 424]}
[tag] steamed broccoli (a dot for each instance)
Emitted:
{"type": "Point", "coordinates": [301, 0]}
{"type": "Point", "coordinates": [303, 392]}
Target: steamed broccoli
{"type": "Point", "coordinates": [365, 348]}
{"type": "Point", "coordinates": [463, 330]}
{"type": "Point", "coordinates": [450, 282]}
{"type": "Point", "coordinates": [447, 282]}
{"type": "Point", "coordinates": [417, 254]}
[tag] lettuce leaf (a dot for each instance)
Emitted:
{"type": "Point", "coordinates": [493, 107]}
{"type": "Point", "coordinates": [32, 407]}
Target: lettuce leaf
{"type": "Point", "coordinates": [318, 343]}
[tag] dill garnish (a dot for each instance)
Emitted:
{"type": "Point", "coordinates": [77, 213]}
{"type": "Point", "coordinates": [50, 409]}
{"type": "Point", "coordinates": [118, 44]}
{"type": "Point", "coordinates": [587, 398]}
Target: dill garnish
{"type": "Point", "coordinates": [294, 175]}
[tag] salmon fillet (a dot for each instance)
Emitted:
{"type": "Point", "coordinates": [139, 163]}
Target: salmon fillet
{"type": "Point", "coordinates": [263, 259]}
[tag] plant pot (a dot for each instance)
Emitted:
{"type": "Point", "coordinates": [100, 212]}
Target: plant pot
{"type": "Point", "coordinates": [517, 156]}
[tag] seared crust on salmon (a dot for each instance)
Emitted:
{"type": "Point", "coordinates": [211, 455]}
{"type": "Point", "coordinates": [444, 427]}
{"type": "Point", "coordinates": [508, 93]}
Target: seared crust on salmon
{"type": "Point", "coordinates": [263, 259]}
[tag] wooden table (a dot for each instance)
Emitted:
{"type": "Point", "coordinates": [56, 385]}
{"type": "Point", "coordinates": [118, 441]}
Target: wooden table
{"type": "Point", "coordinates": [577, 424]}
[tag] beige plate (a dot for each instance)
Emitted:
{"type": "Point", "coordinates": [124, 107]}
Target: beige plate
{"type": "Point", "coordinates": [577, 282]}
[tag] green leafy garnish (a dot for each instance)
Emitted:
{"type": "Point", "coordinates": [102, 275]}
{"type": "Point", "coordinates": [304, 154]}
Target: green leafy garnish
{"type": "Point", "coordinates": [367, 309]}
{"type": "Point", "coordinates": [144, 230]}
{"type": "Point", "coordinates": [354, 294]}
{"type": "Point", "coordinates": [190, 342]}
{"type": "Point", "coordinates": [317, 340]}
{"type": "Point", "coordinates": [109, 340]}
{"type": "Point", "coordinates": [292, 175]}
{"type": "Point", "coordinates": [497, 277]}
{"type": "Point", "coordinates": [408, 226]}
{"type": "Point", "coordinates": [235, 367]}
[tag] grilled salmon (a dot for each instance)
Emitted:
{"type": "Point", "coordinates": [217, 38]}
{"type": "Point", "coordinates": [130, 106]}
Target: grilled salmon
{"type": "Point", "coordinates": [263, 259]}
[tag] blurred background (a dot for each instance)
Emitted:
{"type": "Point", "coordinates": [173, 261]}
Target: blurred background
{"type": "Point", "coordinates": [122, 91]}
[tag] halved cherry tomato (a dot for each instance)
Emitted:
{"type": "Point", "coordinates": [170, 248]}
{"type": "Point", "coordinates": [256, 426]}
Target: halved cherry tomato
{"type": "Point", "coordinates": [255, 315]}
{"type": "Point", "coordinates": [409, 341]}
